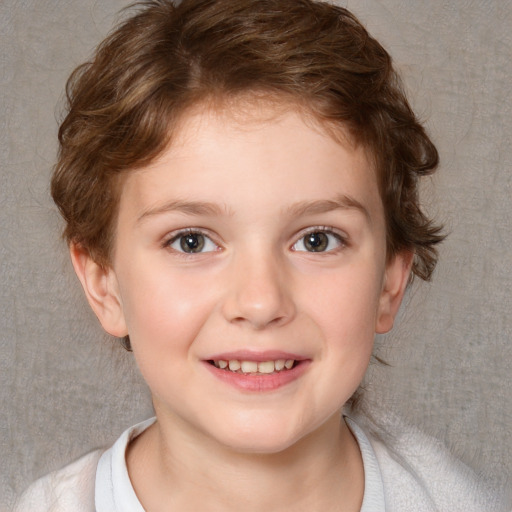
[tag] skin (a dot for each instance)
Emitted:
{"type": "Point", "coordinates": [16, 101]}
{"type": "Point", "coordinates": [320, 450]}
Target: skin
{"type": "Point", "coordinates": [255, 188]}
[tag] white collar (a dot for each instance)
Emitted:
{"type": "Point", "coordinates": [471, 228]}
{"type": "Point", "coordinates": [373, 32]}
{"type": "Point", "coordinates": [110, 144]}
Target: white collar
{"type": "Point", "coordinates": [373, 499]}
{"type": "Point", "coordinates": [114, 491]}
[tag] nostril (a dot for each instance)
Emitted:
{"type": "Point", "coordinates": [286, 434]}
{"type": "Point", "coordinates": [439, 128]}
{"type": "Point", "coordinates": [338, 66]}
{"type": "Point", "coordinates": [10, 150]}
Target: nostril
{"type": "Point", "coordinates": [259, 322]}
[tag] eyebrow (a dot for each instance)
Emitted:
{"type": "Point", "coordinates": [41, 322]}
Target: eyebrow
{"type": "Point", "coordinates": [188, 207]}
{"type": "Point", "coordinates": [340, 202]}
{"type": "Point", "coordinates": [198, 208]}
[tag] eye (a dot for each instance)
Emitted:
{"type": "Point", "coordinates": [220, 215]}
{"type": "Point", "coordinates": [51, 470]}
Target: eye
{"type": "Point", "coordinates": [192, 242]}
{"type": "Point", "coordinates": [319, 241]}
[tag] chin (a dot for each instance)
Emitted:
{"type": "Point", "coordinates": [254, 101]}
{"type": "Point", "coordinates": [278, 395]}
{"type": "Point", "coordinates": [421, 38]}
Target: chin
{"type": "Point", "coordinates": [260, 437]}
{"type": "Point", "coordinates": [262, 445]}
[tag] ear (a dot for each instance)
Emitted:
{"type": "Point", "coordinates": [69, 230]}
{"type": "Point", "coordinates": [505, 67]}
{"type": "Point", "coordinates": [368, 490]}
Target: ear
{"type": "Point", "coordinates": [101, 289]}
{"type": "Point", "coordinates": [396, 277]}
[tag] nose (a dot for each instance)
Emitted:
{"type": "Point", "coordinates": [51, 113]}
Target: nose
{"type": "Point", "coordinates": [259, 293]}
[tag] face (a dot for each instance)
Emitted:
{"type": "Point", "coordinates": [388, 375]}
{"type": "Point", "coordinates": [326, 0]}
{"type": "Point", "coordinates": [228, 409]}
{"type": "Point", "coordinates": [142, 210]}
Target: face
{"type": "Point", "coordinates": [250, 273]}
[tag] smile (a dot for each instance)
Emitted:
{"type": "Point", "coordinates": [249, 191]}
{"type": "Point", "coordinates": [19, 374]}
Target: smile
{"type": "Point", "coordinates": [256, 373]}
{"type": "Point", "coordinates": [254, 367]}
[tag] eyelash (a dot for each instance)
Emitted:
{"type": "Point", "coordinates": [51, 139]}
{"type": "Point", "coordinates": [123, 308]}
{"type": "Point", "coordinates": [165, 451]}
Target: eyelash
{"type": "Point", "coordinates": [340, 237]}
{"type": "Point", "coordinates": [341, 240]}
{"type": "Point", "coordinates": [176, 236]}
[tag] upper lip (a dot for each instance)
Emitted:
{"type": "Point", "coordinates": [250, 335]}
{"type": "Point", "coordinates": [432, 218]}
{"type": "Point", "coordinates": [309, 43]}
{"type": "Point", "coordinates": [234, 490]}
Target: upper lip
{"type": "Point", "coordinates": [257, 356]}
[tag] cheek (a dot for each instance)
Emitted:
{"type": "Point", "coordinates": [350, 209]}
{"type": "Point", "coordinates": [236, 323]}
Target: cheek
{"type": "Point", "coordinates": [164, 316]}
{"type": "Point", "coordinates": [347, 314]}
{"type": "Point", "coordinates": [165, 310]}
{"type": "Point", "coordinates": [345, 309]}
{"type": "Point", "coordinates": [345, 303]}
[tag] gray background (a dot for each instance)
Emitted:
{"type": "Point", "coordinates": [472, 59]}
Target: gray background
{"type": "Point", "coordinates": [66, 388]}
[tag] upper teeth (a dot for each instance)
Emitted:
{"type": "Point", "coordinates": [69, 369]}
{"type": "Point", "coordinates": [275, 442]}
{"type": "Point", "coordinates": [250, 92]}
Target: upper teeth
{"type": "Point", "coordinates": [255, 367]}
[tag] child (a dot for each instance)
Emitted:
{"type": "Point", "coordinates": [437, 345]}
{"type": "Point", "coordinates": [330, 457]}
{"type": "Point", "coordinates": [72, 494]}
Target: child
{"type": "Point", "coordinates": [239, 182]}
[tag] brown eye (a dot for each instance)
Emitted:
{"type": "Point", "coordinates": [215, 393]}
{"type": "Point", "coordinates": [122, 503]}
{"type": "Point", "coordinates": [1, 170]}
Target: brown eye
{"type": "Point", "coordinates": [319, 241]}
{"type": "Point", "coordinates": [316, 242]}
{"type": "Point", "coordinates": [192, 242]}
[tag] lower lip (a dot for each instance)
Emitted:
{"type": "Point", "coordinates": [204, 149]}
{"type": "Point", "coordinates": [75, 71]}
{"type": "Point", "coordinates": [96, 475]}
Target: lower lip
{"type": "Point", "coordinates": [260, 382]}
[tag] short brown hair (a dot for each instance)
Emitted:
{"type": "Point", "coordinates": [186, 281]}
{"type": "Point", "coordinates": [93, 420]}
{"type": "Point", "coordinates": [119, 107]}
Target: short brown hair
{"type": "Point", "coordinates": [164, 58]}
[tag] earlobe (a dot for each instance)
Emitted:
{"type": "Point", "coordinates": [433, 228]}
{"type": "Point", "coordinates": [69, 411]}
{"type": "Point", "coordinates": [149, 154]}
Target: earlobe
{"type": "Point", "coordinates": [101, 289]}
{"type": "Point", "coordinates": [396, 278]}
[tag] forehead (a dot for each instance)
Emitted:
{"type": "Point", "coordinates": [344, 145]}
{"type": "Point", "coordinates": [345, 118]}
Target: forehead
{"type": "Point", "coordinates": [252, 111]}
{"type": "Point", "coordinates": [216, 154]}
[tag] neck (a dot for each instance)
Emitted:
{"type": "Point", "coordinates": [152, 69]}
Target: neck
{"type": "Point", "coordinates": [172, 471]}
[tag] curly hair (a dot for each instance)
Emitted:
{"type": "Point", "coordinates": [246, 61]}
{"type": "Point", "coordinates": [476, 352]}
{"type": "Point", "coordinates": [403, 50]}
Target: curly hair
{"type": "Point", "coordinates": [123, 106]}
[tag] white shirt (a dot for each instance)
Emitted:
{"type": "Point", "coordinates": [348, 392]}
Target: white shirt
{"type": "Point", "coordinates": [419, 475]}
{"type": "Point", "coordinates": [114, 491]}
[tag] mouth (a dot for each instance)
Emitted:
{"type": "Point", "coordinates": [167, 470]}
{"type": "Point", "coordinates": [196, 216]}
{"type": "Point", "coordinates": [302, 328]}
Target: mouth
{"type": "Point", "coordinates": [254, 367]}
{"type": "Point", "coordinates": [256, 372]}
